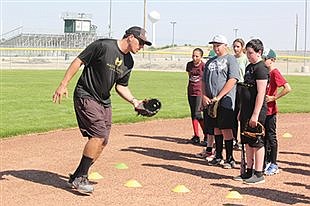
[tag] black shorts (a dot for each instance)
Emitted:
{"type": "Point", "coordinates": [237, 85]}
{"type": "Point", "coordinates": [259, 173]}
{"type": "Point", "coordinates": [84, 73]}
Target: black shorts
{"type": "Point", "coordinates": [256, 143]}
{"type": "Point", "coordinates": [94, 119]}
{"type": "Point", "coordinates": [225, 118]}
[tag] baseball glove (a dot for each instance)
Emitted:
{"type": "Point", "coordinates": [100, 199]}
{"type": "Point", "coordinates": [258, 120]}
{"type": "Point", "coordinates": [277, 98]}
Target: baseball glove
{"type": "Point", "coordinates": [212, 109]}
{"type": "Point", "coordinates": [254, 132]}
{"type": "Point", "coordinates": [148, 107]}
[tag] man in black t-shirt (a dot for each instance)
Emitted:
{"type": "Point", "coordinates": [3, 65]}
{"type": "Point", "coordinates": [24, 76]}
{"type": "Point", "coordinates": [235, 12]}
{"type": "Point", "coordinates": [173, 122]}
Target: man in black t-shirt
{"type": "Point", "coordinates": [107, 62]}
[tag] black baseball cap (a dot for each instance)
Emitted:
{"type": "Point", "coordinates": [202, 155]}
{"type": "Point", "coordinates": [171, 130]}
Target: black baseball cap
{"type": "Point", "coordinates": [139, 33]}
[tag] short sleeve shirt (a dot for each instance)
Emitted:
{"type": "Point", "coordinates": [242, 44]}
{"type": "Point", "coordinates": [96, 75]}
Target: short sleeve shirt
{"type": "Point", "coordinates": [276, 80]}
{"type": "Point", "coordinates": [195, 77]}
{"type": "Point", "coordinates": [217, 72]}
{"type": "Point", "coordinates": [248, 95]}
{"type": "Point", "coordinates": [242, 62]}
{"type": "Point", "coordinates": [104, 66]}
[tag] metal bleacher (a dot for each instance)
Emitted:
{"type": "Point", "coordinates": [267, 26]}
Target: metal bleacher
{"type": "Point", "coordinates": [67, 41]}
{"type": "Point", "coordinates": [76, 36]}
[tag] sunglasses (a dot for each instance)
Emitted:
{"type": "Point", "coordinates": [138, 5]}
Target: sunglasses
{"type": "Point", "coordinates": [141, 42]}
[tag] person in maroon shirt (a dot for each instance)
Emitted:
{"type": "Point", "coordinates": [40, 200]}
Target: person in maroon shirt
{"type": "Point", "coordinates": [194, 69]}
{"type": "Point", "coordinates": [276, 81]}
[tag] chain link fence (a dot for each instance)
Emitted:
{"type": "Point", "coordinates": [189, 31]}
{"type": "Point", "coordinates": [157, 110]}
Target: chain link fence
{"type": "Point", "coordinates": [58, 58]}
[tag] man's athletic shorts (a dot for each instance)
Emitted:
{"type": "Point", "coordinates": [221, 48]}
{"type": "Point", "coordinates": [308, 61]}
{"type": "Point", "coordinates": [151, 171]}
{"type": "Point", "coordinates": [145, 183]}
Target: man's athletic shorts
{"type": "Point", "coordinates": [94, 119]}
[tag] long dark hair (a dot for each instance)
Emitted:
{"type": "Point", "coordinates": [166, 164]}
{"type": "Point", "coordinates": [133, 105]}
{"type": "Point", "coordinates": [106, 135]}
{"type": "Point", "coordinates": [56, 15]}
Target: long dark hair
{"type": "Point", "coordinates": [199, 50]}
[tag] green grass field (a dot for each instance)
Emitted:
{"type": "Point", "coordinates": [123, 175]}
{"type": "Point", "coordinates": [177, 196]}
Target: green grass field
{"type": "Point", "coordinates": [27, 107]}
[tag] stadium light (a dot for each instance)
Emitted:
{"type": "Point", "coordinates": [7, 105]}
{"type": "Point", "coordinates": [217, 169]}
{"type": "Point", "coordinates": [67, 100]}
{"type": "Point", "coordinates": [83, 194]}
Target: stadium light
{"type": "Point", "coordinates": [110, 20]}
{"type": "Point", "coordinates": [306, 17]}
{"type": "Point", "coordinates": [144, 15]}
{"type": "Point", "coordinates": [236, 32]}
{"type": "Point", "coordinates": [173, 24]}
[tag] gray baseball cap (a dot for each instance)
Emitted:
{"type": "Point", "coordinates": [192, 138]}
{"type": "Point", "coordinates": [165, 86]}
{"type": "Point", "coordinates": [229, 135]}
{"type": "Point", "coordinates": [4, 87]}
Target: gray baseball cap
{"type": "Point", "coordinates": [139, 33]}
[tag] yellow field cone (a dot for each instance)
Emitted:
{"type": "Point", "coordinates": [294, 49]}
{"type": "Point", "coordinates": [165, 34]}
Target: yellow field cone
{"type": "Point", "coordinates": [121, 166]}
{"type": "Point", "coordinates": [132, 183]}
{"type": "Point", "coordinates": [180, 188]}
{"type": "Point", "coordinates": [287, 135]}
{"type": "Point", "coordinates": [94, 176]}
{"type": "Point", "coordinates": [233, 195]}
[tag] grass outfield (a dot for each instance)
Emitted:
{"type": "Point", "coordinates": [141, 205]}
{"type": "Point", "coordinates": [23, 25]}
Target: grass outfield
{"type": "Point", "coordinates": [26, 99]}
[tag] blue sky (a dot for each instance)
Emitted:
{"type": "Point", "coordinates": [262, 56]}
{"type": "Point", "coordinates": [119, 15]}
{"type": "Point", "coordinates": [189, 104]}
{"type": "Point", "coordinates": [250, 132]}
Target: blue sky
{"type": "Point", "coordinates": [272, 21]}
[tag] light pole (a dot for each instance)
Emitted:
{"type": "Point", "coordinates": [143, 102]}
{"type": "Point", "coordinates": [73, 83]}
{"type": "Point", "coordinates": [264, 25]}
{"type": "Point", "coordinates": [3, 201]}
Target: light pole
{"type": "Point", "coordinates": [144, 15]}
{"type": "Point", "coordinates": [236, 32]}
{"type": "Point", "coordinates": [173, 24]}
{"type": "Point", "coordinates": [110, 20]}
{"type": "Point", "coordinates": [296, 33]}
{"type": "Point", "coordinates": [306, 17]}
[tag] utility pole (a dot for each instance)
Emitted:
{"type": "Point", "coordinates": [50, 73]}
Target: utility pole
{"type": "Point", "coordinates": [296, 33]}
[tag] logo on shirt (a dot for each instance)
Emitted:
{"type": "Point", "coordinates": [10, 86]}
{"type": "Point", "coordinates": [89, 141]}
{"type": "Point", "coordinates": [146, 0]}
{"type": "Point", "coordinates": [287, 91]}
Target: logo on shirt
{"type": "Point", "coordinates": [194, 78]}
{"type": "Point", "coordinates": [118, 62]}
{"type": "Point", "coordinates": [218, 64]}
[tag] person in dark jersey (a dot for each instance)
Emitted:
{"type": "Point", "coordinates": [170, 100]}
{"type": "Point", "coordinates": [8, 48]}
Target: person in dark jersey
{"type": "Point", "coordinates": [194, 70]}
{"type": "Point", "coordinates": [207, 151]}
{"type": "Point", "coordinates": [107, 63]}
{"type": "Point", "coordinates": [253, 109]}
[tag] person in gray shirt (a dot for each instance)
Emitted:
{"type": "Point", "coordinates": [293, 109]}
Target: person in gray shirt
{"type": "Point", "coordinates": [220, 76]}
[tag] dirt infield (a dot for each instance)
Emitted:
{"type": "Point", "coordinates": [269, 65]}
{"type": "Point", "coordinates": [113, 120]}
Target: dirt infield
{"type": "Point", "coordinates": [34, 168]}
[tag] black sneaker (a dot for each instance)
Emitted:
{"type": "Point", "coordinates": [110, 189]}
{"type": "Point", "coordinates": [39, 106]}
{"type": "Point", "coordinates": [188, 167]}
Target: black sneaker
{"type": "Point", "coordinates": [254, 180]}
{"type": "Point", "coordinates": [204, 143]}
{"type": "Point", "coordinates": [195, 140]}
{"type": "Point", "coordinates": [229, 165]}
{"type": "Point", "coordinates": [216, 162]}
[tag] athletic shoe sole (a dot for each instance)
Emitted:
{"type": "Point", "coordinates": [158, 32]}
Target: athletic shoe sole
{"type": "Point", "coordinates": [82, 191]}
{"type": "Point", "coordinates": [216, 164]}
{"type": "Point", "coordinates": [238, 179]}
{"type": "Point", "coordinates": [273, 173]}
{"type": "Point", "coordinates": [254, 183]}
